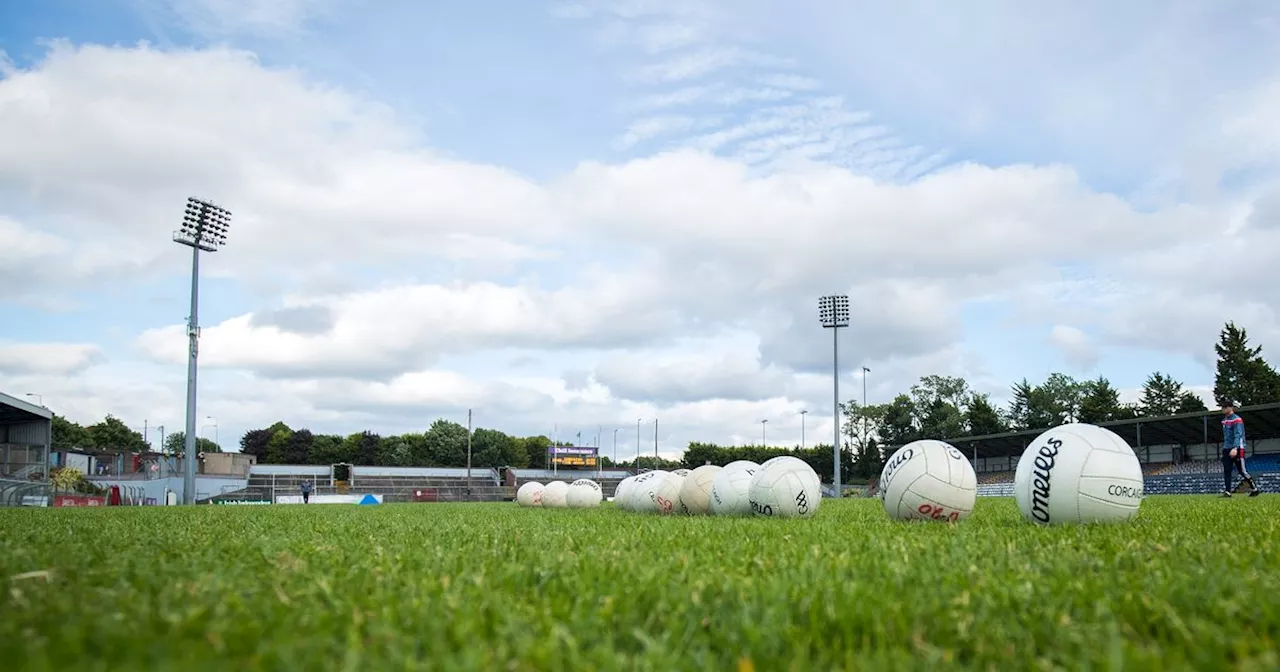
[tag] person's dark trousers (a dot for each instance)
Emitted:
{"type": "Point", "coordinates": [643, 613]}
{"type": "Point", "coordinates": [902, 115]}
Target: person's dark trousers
{"type": "Point", "coordinates": [1228, 465]}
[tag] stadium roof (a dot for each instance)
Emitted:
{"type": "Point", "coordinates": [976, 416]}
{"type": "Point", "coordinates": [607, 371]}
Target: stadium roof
{"type": "Point", "coordinates": [1261, 422]}
{"type": "Point", "coordinates": [14, 410]}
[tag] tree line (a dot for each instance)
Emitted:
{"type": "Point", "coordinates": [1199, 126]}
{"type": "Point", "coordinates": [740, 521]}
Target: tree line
{"type": "Point", "coordinates": [946, 407]}
{"type": "Point", "coordinates": [111, 434]}
{"type": "Point", "coordinates": [935, 407]}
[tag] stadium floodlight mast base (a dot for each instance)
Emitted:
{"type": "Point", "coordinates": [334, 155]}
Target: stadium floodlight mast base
{"type": "Point", "coordinates": [833, 312]}
{"type": "Point", "coordinates": [204, 228]}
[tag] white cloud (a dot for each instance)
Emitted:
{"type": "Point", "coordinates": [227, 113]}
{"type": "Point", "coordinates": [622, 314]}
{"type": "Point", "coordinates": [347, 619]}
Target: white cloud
{"type": "Point", "coordinates": [54, 359]}
{"type": "Point", "coordinates": [651, 127]}
{"type": "Point", "coordinates": [1076, 346]}
{"type": "Point", "coordinates": [608, 268]}
{"type": "Point", "coordinates": [793, 82]}
{"type": "Point", "coordinates": [220, 18]}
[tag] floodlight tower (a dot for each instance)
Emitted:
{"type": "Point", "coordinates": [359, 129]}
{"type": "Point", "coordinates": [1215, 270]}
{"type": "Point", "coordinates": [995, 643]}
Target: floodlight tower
{"type": "Point", "coordinates": [204, 228]}
{"type": "Point", "coordinates": [833, 312]}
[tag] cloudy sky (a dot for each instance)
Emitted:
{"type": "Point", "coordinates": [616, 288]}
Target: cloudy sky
{"type": "Point", "coordinates": [585, 213]}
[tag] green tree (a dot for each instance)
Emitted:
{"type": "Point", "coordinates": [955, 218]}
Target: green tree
{"type": "Point", "coordinates": [68, 435]}
{"type": "Point", "coordinates": [278, 445]}
{"type": "Point", "coordinates": [535, 448]}
{"type": "Point", "coordinates": [1243, 375]}
{"type": "Point", "coordinates": [860, 424]}
{"type": "Point", "coordinates": [939, 403]}
{"type": "Point", "coordinates": [1064, 395]}
{"type": "Point", "coordinates": [899, 424]}
{"type": "Point", "coordinates": [492, 448]}
{"type": "Point", "coordinates": [297, 450]}
{"type": "Point", "coordinates": [254, 442]}
{"type": "Point", "coordinates": [395, 452]}
{"type": "Point", "coordinates": [112, 434]}
{"type": "Point", "coordinates": [1054, 402]}
{"type": "Point", "coordinates": [363, 447]}
{"type": "Point", "coordinates": [447, 443]}
{"type": "Point", "coordinates": [981, 417]}
{"type": "Point", "coordinates": [330, 449]}
{"type": "Point", "coordinates": [176, 444]}
{"type": "Point", "coordinates": [1161, 395]}
{"type": "Point", "coordinates": [1100, 402]}
{"type": "Point", "coordinates": [1190, 402]}
{"type": "Point", "coordinates": [868, 461]}
{"type": "Point", "coordinates": [415, 445]}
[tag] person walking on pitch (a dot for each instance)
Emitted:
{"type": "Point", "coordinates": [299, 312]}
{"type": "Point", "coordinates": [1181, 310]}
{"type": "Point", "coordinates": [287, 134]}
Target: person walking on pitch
{"type": "Point", "coordinates": [1233, 448]}
{"type": "Point", "coordinates": [306, 492]}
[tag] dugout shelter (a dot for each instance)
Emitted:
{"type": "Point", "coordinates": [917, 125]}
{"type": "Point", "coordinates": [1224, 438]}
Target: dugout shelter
{"type": "Point", "coordinates": [26, 432]}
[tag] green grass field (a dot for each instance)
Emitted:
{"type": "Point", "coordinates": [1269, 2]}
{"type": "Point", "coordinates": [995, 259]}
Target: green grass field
{"type": "Point", "coordinates": [1190, 585]}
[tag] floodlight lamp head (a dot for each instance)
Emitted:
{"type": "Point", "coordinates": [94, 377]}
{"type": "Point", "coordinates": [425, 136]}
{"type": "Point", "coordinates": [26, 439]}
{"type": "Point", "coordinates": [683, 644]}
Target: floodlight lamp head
{"type": "Point", "coordinates": [204, 226]}
{"type": "Point", "coordinates": [833, 311]}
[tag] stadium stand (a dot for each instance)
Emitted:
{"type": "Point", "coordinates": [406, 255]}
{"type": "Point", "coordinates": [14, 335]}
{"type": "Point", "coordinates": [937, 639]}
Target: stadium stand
{"type": "Point", "coordinates": [1179, 454]}
{"type": "Point", "coordinates": [394, 484]}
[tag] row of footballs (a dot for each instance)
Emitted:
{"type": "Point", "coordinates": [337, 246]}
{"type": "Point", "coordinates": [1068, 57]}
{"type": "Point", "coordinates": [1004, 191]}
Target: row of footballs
{"type": "Point", "coordinates": [1073, 473]}
{"type": "Point", "coordinates": [785, 487]}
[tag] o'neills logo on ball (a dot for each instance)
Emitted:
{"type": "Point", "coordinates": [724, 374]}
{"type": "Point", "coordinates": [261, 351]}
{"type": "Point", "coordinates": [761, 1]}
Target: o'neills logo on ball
{"type": "Point", "coordinates": [1045, 459]}
{"type": "Point", "coordinates": [1117, 490]}
{"type": "Point", "coordinates": [893, 466]}
{"type": "Point", "coordinates": [761, 509]}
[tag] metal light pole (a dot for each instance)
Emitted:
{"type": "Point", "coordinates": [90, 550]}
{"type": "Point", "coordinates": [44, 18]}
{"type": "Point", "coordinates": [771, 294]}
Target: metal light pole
{"type": "Point", "coordinates": [763, 424]}
{"type": "Point", "coordinates": [615, 448]}
{"type": "Point", "coordinates": [204, 227]}
{"type": "Point", "coordinates": [215, 429]}
{"type": "Point", "coordinates": [833, 312]}
{"type": "Point", "coordinates": [468, 454]}
{"type": "Point", "coordinates": [802, 414]}
{"type": "Point", "coordinates": [638, 444]}
{"type": "Point", "coordinates": [866, 441]}
{"type": "Point", "coordinates": [655, 443]}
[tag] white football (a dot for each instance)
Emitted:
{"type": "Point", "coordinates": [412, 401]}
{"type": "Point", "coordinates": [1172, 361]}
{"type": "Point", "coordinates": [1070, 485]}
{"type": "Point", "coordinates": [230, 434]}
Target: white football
{"type": "Point", "coordinates": [553, 495]}
{"type": "Point", "coordinates": [642, 491]}
{"type": "Point", "coordinates": [584, 493]}
{"type": "Point", "coordinates": [785, 487]}
{"type": "Point", "coordinates": [667, 494]}
{"type": "Point", "coordinates": [928, 480]}
{"type": "Point", "coordinates": [529, 494]}
{"type": "Point", "coordinates": [621, 492]}
{"type": "Point", "coordinates": [1078, 473]}
{"type": "Point", "coordinates": [695, 494]}
{"type": "Point", "coordinates": [729, 489]}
